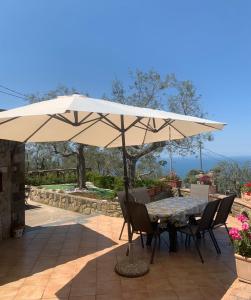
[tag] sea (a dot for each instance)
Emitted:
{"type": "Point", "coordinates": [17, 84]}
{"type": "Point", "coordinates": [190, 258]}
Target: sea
{"type": "Point", "coordinates": [182, 165]}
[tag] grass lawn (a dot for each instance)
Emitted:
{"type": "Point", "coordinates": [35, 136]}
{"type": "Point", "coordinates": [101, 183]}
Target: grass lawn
{"type": "Point", "coordinates": [64, 187]}
{"type": "Point", "coordinates": [99, 192]}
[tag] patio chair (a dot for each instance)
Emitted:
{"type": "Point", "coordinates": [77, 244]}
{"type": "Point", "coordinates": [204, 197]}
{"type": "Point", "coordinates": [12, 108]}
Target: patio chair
{"type": "Point", "coordinates": [199, 191]}
{"type": "Point", "coordinates": [141, 222]}
{"type": "Point", "coordinates": [223, 212]}
{"type": "Point", "coordinates": [121, 198]}
{"type": "Point", "coordinates": [204, 224]}
{"type": "Point", "coordinates": [139, 195]}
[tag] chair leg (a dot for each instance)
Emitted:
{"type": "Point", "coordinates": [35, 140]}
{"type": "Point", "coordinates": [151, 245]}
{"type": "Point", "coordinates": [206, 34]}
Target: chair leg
{"type": "Point", "coordinates": [228, 233]}
{"type": "Point", "coordinates": [142, 241]}
{"type": "Point", "coordinates": [154, 248]}
{"type": "Point", "coordinates": [186, 240]}
{"type": "Point", "coordinates": [159, 239]}
{"type": "Point", "coordinates": [214, 241]}
{"type": "Point", "coordinates": [122, 229]}
{"type": "Point", "coordinates": [197, 248]}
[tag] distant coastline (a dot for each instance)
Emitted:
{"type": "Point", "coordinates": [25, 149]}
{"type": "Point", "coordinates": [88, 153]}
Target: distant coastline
{"type": "Point", "coordinates": [182, 165]}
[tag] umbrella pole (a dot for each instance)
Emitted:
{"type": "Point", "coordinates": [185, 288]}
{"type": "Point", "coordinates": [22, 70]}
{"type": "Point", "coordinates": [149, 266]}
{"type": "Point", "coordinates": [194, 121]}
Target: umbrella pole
{"type": "Point", "coordinates": [129, 266]}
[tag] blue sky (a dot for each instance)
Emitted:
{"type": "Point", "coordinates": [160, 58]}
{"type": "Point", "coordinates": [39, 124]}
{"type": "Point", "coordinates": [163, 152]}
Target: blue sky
{"type": "Point", "coordinates": [86, 44]}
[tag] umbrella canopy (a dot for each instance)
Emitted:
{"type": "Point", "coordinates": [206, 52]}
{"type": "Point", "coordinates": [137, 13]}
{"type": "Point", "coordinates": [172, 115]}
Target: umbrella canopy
{"type": "Point", "coordinates": [100, 123]}
{"type": "Point", "coordinates": [97, 122]}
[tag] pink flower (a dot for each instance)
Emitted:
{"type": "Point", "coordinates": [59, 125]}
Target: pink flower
{"type": "Point", "coordinates": [242, 218]}
{"type": "Point", "coordinates": [245, 226]}
{"type": "Point", "coordinates": [235, 234]}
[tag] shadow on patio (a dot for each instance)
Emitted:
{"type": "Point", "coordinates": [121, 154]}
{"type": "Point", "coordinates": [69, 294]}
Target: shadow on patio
{"type": "Point", "coordinates": [76, 261]}
{"type": "Point", "coordinates": [173, 276]}
{"type": "Point", "coordinates": [45, 257]}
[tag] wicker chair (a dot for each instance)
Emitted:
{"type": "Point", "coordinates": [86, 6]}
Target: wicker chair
{"type": "Point", "coordinates": [204, 224]}
{"type": "Point", "coordinates": [223, 212]}
{"type": "Point", "coordinates": [141, 222]}
{"type": "Point", "coordinates": [139, 195]}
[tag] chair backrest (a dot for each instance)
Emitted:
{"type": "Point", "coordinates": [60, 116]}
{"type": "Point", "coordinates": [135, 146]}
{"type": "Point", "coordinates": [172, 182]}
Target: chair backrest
{"type": "Point", "coordinates": [140, 194]}
{"type": "Point", "coordinates": [208, 215]}
{"type": "Point", "coordinates": [224, 210]}
{"type": "Point", "coordinates": [199, 191]}
{"type": "Point", "coordinates": [121, 198]}
{"type": "Point", "coordinates": [139, 217]}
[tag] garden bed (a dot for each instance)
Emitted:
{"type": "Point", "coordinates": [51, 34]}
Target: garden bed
{"type": "Point", "coordinates": [90, 192]}
{"type": "Point", "coordinates": [73, 202]}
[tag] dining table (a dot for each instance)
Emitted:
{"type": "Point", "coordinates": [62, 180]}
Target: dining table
{"type": "Point", "coordinates": [175, 212]}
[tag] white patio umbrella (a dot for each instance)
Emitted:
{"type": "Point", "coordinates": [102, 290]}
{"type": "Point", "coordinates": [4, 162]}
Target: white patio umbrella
{"type": "Point", "coordinates": [101, 123]}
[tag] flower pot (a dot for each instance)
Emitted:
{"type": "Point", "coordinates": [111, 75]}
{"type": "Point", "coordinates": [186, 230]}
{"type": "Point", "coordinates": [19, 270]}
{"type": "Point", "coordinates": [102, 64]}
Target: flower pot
{"type": "Point", "coordinates": [245, 196]}
{"type": "Point", "coordinates": [243, 268]}
{"type": "Point", "coordinates": [18, 232]}
{"type": "Point", "coordinates": [157, 190]}
{"type": "Point", "coordinates": [151, 191]}
{"type": "Point", "coordinates": [174, 183]}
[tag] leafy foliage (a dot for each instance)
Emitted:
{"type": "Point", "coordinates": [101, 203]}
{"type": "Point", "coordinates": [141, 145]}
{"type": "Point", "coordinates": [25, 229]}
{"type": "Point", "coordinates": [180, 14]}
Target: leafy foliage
{"type": "Point", "coordinates": [230, 176]}
{"type": "Point", "coordinates": [242, 237]}
{"type": "Point", "coordinates": [191, 177]}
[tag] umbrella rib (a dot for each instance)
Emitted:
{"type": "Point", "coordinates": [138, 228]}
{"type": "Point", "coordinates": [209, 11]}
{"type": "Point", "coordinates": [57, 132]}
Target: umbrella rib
{"type": "Point", "coordinates": [143, 142]}
{"type": "Point", "coordinates": [138, 120]}
{"type": "Point", "coordinates": [203, 124]}
{"type": "Point", "coordinates": [85, 118]}
{"type": "Point", "coordinates": [112, 141]}
{"type": "Point", "coordinates": [166, 123]}
{"type": "Point", "coordinates": [154, 123]}
{"type": "Point", "coordinates": [184, 136]}
{"type": "Point", "coordinates": [109, 124]}
{"type": "Point", "coordinates": [76, 117]}
{"type": "Point", "coordinates": [39, 128]}
{"type": "Point", "coordinates": [109, 121]}
{"type": "Point", "coordinates": [9, 120]}
{"type": "Point", "coordinates": [83, 130]}
{"type": "Point", "coordinates": [61, 118]}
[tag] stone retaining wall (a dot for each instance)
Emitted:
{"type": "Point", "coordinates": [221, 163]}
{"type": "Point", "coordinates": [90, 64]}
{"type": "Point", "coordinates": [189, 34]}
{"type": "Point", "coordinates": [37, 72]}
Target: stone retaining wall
{"type": "Point", "coordinates": [79, 204]}
{"type": "Point", "coordinates": [89, 206]}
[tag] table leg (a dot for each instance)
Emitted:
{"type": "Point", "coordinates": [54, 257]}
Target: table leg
{"type": "Point", "coordinates": [172, 238]}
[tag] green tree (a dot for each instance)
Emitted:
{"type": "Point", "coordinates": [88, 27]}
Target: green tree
{"type": "Point", "coordinates": [64, 149]}
{"type": "Point", "coordinates": [186, 101]}
{"type": "Point", "coordinates": [230, 176]}
{"type": "Point", "coordinates": [149, 89]}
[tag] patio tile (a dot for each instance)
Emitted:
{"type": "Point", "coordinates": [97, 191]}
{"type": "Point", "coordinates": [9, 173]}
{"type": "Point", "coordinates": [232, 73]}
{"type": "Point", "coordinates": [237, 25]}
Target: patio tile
{"type": "Point", "coordinates": [72, 261]}
{"type": "Point", "coordinates": [59, 287]}
{"type": "Point", "coordinates": [8, 292]}
{"type": "Point", "coordinates": [29, 292]}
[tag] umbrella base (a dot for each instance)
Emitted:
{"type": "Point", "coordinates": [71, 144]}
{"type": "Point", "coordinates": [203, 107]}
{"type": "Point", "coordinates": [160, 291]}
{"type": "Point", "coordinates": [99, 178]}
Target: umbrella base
{"type": "Point", "coordinates": [136, 268]}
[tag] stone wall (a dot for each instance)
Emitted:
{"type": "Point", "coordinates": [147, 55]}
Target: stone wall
{"type": "Point", "coordinates": [12, 160]}
{"type": "Point", "coordinates": [240, 205]}
{"type": "Point", "coordinates": [79, 204]}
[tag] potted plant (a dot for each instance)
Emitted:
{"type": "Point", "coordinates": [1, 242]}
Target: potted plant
{"type": "Point", "coordinates": [246, 191]}
{"type": "Point", "coordinates": [173, 180]}
{"type": "Point", "coordinates": [158, 187]}
{"type": "Point", "coordinates": [205, 179]}
{"type": "Point", "coordinates": [242, 245]}
{"type": "Point", "coordinates": [151, 190]}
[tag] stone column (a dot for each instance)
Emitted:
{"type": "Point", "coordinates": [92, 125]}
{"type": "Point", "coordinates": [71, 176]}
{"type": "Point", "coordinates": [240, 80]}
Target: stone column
{"type": "Point", "coordinates": [12, 166]}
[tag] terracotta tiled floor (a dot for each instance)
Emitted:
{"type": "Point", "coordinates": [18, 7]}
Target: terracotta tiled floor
{"type": "Point", "coordinates": [73, 258]}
